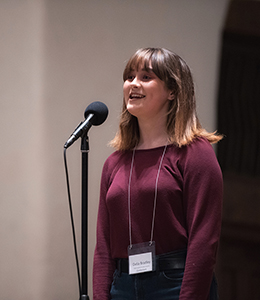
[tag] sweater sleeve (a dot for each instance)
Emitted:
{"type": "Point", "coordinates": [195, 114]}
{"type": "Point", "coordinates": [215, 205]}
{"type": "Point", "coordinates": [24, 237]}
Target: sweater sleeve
{"type": "Point", "coordinates": [104, 266]}
{"type": "Point", "coordinates": [202, 190]}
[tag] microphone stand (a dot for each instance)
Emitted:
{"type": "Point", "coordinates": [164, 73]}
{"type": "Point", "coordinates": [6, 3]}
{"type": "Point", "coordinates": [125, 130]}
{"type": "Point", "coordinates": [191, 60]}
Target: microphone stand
{"type": "Point", "coordinates": [84, 219]}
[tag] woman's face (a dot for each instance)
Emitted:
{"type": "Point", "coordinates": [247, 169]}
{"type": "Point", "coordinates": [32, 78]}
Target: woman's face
{"type": "Point", "coordinates": [145, 95]}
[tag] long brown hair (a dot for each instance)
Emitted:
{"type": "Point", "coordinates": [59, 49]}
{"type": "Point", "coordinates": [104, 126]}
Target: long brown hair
{"type": "Point", "coordinates": [183, 125]}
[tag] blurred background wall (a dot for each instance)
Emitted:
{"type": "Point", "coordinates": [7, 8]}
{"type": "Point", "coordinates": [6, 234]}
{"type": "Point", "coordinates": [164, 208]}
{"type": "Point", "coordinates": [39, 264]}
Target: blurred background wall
{"type": "Point", "coordinates": [56, 57]}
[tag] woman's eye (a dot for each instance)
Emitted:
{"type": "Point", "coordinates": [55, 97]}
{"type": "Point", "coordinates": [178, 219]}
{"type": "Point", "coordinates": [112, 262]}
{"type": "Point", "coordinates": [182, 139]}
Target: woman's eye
{"type": "Point", "coordinates": [146, 77]}
{"type": "Point", "coordinates": [130, 77]}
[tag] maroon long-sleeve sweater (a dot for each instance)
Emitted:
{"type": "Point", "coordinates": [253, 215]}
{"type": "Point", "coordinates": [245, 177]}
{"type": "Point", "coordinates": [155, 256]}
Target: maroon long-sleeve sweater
{"type": "Point", "coordinates": [188, 212]}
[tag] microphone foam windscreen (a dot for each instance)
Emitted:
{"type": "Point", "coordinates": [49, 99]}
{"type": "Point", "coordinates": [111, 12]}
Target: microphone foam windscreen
{"type": "Point", "coordinates": [99, 110]}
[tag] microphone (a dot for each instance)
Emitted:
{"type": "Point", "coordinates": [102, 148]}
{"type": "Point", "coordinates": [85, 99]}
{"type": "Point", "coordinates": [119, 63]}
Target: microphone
{"type": "Point", "coordinates": [95, 114]}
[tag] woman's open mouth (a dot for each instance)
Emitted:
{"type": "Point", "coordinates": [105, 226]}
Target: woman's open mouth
{"type": "Point", "coordinates": [136, 96]}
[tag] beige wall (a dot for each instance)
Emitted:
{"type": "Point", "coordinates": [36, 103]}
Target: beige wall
{"type": "Point", "coordinates": [57, 56]}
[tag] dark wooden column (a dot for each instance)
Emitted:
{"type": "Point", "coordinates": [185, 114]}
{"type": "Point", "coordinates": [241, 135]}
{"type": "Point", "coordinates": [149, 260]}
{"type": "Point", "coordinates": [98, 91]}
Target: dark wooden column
{"type": "Point", "coordinates": [238, 267]}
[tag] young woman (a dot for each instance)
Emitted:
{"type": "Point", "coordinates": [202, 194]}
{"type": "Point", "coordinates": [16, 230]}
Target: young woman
{"type": "Point", "coordinates": [161, 191]}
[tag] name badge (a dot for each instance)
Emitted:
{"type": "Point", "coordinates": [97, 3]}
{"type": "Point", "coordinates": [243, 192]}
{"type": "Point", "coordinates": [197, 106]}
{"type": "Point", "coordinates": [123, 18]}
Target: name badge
{"type": "Point", "coordinates": [141, 258]}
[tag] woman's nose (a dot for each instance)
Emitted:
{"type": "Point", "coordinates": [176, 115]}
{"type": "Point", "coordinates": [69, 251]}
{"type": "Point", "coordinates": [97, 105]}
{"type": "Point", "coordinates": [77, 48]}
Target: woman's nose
{"type": "Point", "coordinates": [135, 82]}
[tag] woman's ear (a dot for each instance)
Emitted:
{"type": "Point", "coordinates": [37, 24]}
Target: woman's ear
{"type": "Point", "coordinates": [171, 95]}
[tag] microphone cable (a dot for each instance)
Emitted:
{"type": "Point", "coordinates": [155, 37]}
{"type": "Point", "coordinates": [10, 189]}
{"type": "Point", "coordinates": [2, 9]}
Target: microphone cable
{"type": "Point", "coordinates": [72, 221]}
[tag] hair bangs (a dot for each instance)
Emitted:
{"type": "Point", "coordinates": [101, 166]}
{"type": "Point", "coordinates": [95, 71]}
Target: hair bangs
{"type": "Point", "coordinates": [141, 59]}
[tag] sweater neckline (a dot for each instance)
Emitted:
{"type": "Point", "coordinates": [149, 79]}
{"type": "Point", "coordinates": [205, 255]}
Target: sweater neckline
{"type": "Point", "coordinates": [153, 149]}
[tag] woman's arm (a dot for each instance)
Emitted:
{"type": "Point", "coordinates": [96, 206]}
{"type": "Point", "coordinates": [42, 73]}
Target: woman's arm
{"type": "Point", "coordinates": [104, 265]}
{"type": "Point", "coordinates": [203, 190]}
